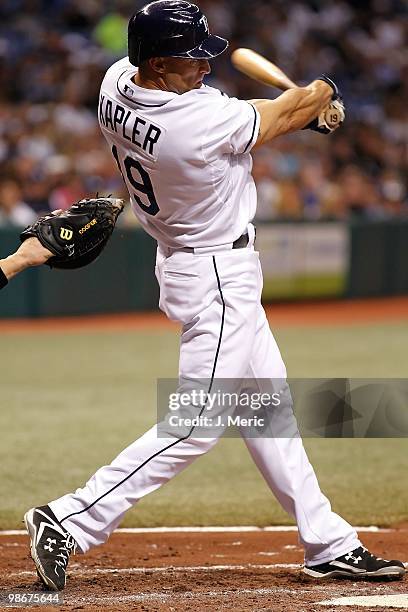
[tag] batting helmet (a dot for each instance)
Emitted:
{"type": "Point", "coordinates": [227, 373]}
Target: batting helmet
{"type": "Point", "coordinates": [171, 28]}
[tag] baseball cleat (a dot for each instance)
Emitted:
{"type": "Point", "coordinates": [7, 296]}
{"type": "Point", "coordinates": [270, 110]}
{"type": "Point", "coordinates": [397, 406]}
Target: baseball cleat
{"type": "Point", "coordinates": [358, 563]}
{"type": "Point", "coordinates": [51, 546]}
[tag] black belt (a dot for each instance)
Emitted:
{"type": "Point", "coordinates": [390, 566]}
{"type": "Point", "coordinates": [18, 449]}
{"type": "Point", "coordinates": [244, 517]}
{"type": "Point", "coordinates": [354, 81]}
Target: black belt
{"type": "Point", "coordinates": [239, 243]}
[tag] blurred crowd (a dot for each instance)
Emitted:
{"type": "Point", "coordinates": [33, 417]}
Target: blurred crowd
{"type": "Point", "coordinates": [53, 54]}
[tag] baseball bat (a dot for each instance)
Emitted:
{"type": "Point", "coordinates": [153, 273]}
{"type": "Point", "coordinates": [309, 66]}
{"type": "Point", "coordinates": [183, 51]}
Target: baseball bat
{"type": "Point", "coordinates": [260, 69]}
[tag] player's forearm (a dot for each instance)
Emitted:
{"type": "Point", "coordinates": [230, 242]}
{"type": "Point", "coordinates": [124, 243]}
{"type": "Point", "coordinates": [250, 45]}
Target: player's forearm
{"type": "Point", "coordinates": [292, 110]}
{"type": "Point", "coordinates": [9, 267]}
{"type": "Point", "coordinates": [13, 264]}
{"type": "Point", "coordinates": [30, 253]}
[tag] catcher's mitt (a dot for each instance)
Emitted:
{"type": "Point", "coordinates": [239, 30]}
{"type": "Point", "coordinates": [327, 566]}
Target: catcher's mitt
{"type": "Point", "coordinates": [78, 235]}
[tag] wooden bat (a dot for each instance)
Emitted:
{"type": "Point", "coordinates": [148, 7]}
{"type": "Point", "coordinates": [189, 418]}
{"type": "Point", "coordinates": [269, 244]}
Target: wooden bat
{"type": "Point", "coordinates": [260, 69]}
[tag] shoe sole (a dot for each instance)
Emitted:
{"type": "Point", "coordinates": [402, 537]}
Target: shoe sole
{"type": "Point", "coordinates": [32, 532]}
{"type": "Point", "coordinates": [393, 573]}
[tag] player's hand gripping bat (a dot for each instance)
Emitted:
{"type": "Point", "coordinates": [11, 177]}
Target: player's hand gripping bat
{"type": "Point", "coordinates": [260, 69]}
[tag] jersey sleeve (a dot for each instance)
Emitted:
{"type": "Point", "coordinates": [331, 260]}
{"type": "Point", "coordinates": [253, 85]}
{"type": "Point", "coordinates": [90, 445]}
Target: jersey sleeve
{"type": "Point", "coordinates": [232, 129]}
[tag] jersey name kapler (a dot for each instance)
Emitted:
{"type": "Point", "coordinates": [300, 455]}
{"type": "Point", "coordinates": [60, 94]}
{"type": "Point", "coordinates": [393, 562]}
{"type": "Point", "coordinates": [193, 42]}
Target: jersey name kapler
{"type": "Point", "coordinates": [128, 124]}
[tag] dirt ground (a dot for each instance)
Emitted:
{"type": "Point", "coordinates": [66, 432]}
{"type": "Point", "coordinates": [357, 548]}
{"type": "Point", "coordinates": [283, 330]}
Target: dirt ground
{"type": "Point", "coordinates": [293, 313]}
{"type": "Point", "coordinates": [195, 572]}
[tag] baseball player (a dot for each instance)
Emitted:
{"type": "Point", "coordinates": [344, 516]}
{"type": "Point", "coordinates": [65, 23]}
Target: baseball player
{"type": "Point", "coordinates": [183, 149]}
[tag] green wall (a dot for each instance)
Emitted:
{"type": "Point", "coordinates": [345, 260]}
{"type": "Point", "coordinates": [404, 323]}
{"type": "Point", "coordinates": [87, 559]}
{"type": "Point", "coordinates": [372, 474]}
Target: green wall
{"type": "Point", "coordinates": [122, 279]}
{"type": "Point", "coordinates": [378, 258]}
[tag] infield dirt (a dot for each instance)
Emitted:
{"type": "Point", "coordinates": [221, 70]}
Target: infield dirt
{"type": "Point", "coordinates": [237, 571]}
{"type": "Point", "coordinates": [292, 313]}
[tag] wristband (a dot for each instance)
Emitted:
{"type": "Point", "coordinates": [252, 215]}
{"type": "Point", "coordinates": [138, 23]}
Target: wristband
{"type": "Point", "coordinates": [326, 79]}
{"type": "Point", "coordinates": [3, 279]}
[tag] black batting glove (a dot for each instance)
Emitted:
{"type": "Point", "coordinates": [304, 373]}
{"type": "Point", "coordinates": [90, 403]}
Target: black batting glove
{"type": "Point", "coordinates": [320, 124]}
{"type": "Point", "coordinates": [3, 279]}
{"type": "Point", "coordinates": [336, 92]}
{"type": "Point", "coordinates": [314, 126]}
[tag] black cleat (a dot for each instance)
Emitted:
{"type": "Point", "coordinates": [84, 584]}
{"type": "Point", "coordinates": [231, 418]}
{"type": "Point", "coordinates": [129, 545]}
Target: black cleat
{"type": "Point", "coordinates": [51, 546]}
{"type": "Point", "coordinates": [358, 563]}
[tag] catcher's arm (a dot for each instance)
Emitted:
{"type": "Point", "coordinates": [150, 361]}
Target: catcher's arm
{"type": "Point", "coordinates": [30, 253]}
{"type": "Point", "coordinates": [67, 240]}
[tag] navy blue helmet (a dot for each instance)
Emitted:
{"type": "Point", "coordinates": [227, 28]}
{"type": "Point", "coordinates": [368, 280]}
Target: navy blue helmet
{"type": "Point", "coordinates": [171, 28]}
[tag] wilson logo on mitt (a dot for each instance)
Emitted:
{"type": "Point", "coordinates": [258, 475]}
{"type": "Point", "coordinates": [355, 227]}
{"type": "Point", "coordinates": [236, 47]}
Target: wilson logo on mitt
{"type": "Point", "coordinates": [66, 234]}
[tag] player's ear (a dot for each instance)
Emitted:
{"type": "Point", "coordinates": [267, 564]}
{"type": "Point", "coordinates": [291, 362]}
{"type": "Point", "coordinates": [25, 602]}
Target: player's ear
{"type": "Point", "coordinates": [158, 64]}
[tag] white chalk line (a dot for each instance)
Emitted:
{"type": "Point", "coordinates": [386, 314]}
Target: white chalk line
{"type": "Point", "coordinates": [170, 568]}
{"type": "Point", "coordinates": [74, 570]}
{"type": "Point", "coordinates": [385, 601]}
{"type": "Point", "coordinates": [212, 529]}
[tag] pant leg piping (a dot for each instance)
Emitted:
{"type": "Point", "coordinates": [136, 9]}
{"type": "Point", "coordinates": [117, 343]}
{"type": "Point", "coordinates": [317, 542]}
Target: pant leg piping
{"type": "Point", "coordinates": [191, 430]}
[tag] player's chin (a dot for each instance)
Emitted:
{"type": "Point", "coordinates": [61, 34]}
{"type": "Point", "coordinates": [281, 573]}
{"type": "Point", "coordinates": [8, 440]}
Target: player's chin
{"type": "Point", "coordinates": [191, 88]}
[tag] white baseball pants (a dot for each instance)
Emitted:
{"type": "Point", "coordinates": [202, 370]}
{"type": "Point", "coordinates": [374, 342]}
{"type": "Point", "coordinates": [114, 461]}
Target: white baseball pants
{"type": "Point", "coordinates": [216, 295]}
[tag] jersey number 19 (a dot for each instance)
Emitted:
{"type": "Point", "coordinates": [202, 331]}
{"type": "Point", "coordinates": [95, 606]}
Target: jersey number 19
{"type": "Point", "coordinates": [144, 187]}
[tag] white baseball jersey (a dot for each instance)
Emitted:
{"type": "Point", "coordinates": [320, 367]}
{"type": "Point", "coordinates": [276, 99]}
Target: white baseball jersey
{"type": "Point", "coordinates": [184, 158]}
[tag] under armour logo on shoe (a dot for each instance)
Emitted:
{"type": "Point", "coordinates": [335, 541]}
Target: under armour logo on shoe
{"type": "Point", "coordinates": [49, 546]}
{"type": "Point", "coordinates": [349, 557]}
